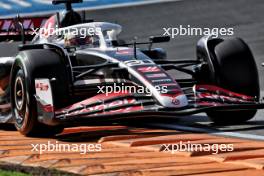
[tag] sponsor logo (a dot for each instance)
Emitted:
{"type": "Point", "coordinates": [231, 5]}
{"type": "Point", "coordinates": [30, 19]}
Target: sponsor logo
{"type": "Point", "coordinates": [42, 86]}
{"type": "Point", "coordinates": [175, 101]}
{"type": "Point", "coordinates": [134, 62]}
{"type": "Point", "coordinates": [222, 98]}
{"type": "Point", "coordinates": [149, 69]}
{"type": "Point", "coordinates": [161, 80]}
{"type": "Point", "coordinates": [109, 105]}
{"type": "Point", "coordinates": [125, 52]}
{"type": "Point", "coordinates": [157, 75]}
{"type": "Point", "coordinates": [113, 104]}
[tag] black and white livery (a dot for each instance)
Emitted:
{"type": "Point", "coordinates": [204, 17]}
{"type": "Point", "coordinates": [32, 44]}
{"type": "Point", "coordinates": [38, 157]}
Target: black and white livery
{"type": "Point", "coordinates": [54, 80]}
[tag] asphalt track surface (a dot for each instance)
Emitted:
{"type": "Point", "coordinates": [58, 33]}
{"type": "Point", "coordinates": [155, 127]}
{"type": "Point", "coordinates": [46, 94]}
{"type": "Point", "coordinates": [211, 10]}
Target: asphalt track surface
{"type": "Point", "coordinates": [246, 17]}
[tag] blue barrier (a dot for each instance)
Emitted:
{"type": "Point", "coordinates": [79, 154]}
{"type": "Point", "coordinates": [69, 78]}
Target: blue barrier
{"type": "Point", "coordinates": [13, 7]}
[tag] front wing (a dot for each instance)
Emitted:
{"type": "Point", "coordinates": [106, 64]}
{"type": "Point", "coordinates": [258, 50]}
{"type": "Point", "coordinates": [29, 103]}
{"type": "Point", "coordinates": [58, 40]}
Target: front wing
{"type": "Point", "coordinates": [123, 105]}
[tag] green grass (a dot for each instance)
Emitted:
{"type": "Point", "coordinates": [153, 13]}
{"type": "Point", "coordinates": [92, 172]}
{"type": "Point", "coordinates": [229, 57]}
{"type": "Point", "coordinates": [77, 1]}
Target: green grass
{"type": "Point", "coordinates": [11, 173]}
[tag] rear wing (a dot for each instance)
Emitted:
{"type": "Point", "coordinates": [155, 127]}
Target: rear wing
{"type": "Point", "coordinates": [20, 29]}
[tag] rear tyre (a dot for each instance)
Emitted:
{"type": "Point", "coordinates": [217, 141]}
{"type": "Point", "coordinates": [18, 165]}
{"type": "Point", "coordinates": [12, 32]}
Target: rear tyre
{"type": "Point", "coordinates": [232, 66]}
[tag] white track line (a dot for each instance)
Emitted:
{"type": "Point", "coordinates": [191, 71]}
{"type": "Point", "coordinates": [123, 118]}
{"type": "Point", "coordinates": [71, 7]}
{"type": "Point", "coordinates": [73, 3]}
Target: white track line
{"type": "Point", "coordinates": [130, 4]}
{"type": "Point", "coordinates": [48, 2]}
{"type": "Point", "coordinates": [209, 131]}
{"type": "Point", "coordinates": [21, 3]}
{"type": "Point", "coordinates": [5, 6]}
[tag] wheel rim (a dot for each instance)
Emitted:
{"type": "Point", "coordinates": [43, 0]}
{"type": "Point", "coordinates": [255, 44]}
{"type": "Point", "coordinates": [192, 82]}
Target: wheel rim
{"type": "Point", "coordinates": [19, 97]}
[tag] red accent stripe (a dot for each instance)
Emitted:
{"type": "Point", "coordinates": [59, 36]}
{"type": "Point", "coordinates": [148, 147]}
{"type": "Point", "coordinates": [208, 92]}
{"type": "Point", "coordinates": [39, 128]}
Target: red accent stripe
{"type": "Point", "coordinates": [47, 108]}
{"type": "Point", "coordinates": [215, 89]}
{"type": "Point", "coordinates": [94, 99]}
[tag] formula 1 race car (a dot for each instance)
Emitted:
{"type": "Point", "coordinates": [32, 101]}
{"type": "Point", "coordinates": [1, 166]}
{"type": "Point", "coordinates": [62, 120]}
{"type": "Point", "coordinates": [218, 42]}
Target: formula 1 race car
{"type": "Point", "coordinates": [63, 79]}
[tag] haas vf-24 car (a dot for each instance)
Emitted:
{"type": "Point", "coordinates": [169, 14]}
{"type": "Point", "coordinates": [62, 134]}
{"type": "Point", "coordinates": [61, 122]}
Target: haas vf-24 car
{"type": "Point", "coordinates": [53, 80]}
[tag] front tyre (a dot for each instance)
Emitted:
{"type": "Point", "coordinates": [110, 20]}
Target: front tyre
{"type": "Point", "coordinates": [232, 66]}
{"type": "Point", "coordinates": [25, 114]}
{"type": "Point", "coordinates": [23, 101]}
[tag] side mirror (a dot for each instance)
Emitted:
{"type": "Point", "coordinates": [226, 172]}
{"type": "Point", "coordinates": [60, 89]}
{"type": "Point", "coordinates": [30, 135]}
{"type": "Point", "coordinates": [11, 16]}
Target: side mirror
{"type": "Point", "coordinates": [159, 39]}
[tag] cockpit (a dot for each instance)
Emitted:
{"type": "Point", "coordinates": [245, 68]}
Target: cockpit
{"type": "Point", "coordinates": [88, 35]}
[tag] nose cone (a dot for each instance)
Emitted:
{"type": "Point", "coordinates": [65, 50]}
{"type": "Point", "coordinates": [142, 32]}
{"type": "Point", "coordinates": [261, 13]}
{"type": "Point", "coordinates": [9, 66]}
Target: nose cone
{"type": "Point", "coordinates": [169, 101]}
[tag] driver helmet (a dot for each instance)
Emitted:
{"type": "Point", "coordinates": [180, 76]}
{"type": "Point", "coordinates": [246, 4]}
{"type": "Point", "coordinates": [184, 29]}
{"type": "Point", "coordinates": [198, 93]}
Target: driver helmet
{"type": "Point", "coordinates": [77, 40]}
